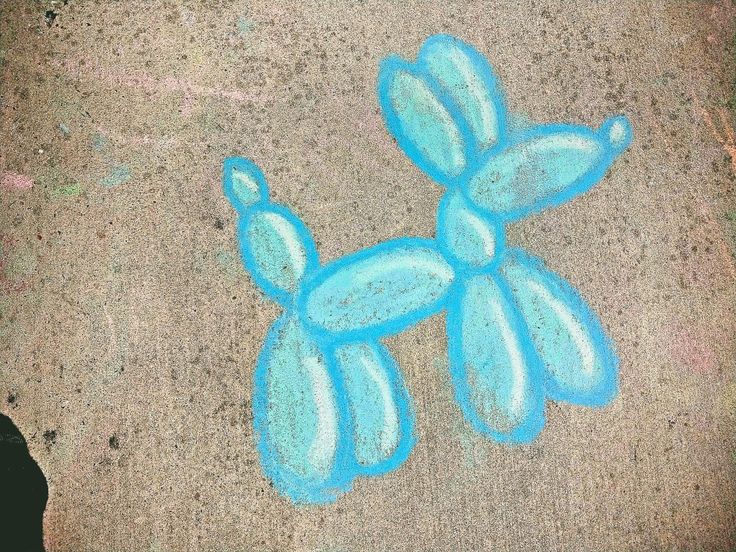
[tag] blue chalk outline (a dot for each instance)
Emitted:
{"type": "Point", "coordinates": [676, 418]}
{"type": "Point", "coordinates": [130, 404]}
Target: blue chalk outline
{"type": "Point", "coordinates": [612, 137]}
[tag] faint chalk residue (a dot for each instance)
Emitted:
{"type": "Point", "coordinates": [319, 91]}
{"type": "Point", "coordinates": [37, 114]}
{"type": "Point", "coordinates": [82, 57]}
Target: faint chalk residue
{"type": "Point", "coordinates": [188, 103]}
{"type": "Point", "coordinates": [65, 130]}
{"type": "Point", "coordinates": [152, 85]}
{"type": "Point", "coordinates": [101, 140]}
{"type": "Point", "coordinates": [245, 25]}
{"type": "Point", "coordinates": [120, 174]}
{"type": "Point", "coordinates": [188, 17]}
{"type": "Point", "coordinates": [15, 181]}
{"type": "Point", "coordinates": [17, 266]}
{"type": "Point", "coordinates": [69, 190]}
{"type": "Point", "coordinates": [691, 349]}
{"type": "Point", "coordinates": [98, 142]}
{"type": "Point", "coordinates": [474, 451]}
{"type": "Point", "coordinates": [228, 263]}
{"type": "Point", "coordinates": [726, 137]}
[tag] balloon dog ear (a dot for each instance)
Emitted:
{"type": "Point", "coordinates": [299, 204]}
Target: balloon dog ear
{"type": "Point", "coordinates": [445, 109]}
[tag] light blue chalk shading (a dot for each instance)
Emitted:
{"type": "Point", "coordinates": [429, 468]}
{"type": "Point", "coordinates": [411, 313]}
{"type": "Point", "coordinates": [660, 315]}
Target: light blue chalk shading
{"type": "Point", "coordinates": [546, 166]}
{"type": "Point", "coordinates": [329, 402]}
{"type": "Point", "coordinates": [298, 423]}
{"type": "Point", "coordinates": [98, 142]}
{"type": "Point", "coordinates": [422, 124]}
{"type": "Point", "coordinates": [495, 371]}
{"type": "Point", "coordinates": [119, 174]}
{"type": "Point", "coordinates": [380, 407]}
{"type": "Point", "coordinates": [245, 25]}
{"type": "Point", "coordinates": [378, 291]}
{"type": "Point", "coordinates": [580, 365]}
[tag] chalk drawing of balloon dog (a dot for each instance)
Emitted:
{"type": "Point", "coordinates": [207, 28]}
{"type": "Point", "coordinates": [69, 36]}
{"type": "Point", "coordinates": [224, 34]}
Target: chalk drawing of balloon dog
{"type": "Point", "coordinates": [329, 403]}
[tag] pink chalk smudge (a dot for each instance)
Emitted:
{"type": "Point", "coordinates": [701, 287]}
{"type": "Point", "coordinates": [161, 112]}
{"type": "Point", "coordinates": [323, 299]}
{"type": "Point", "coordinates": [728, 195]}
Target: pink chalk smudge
{"type": "Point", "coordinates": [187, 105]}
{"type": "Point", "coordinates": [153, 85]}
{"type": "Point", "coordinates": [690, 348]}
{"type": "Point", "coordinates": [15, 181]}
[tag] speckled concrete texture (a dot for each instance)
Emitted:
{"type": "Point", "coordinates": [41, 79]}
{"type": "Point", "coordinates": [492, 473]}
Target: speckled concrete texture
{"type": "Point", "coordinates": [129, 329]}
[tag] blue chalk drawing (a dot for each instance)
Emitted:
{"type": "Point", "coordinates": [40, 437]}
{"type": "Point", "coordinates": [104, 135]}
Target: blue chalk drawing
{"type": "Point", "coordinates": [329, 402]}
